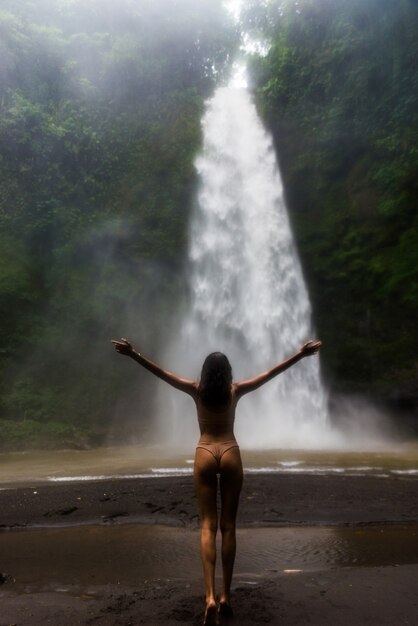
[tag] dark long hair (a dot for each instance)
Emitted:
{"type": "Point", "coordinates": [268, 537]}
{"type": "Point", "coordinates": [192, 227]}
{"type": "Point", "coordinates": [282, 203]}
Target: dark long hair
{"type": "Point", "coordinates": [215, 381]}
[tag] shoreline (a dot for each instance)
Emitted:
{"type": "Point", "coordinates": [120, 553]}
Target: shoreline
{"type": "Point", "coordinates": [266, 500]}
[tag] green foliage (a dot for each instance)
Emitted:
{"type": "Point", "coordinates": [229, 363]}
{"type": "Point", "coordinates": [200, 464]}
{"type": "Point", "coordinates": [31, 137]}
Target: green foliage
{"type": "Point", "coordinates": [100, 108]}
{"type": "Point", "coordinates": [30, 434]}
{"type": "Point", "coordinates": [339, 89]}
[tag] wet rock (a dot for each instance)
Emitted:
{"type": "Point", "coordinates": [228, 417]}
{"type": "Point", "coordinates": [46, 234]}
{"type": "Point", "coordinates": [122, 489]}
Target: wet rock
{"type": "Point", "coordinates": [6, 578]}
{"type": "Point", "coordinates": [66, 511]}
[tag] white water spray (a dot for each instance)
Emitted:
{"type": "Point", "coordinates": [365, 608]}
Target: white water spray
{"type": "Point", "coordinates": [247, 294]}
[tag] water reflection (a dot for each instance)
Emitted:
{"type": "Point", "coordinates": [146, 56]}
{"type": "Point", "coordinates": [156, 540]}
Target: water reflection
{"type": "Point", "coordinates": [390, 545]}
{"type": "Point", "coordinates": [39, 559]}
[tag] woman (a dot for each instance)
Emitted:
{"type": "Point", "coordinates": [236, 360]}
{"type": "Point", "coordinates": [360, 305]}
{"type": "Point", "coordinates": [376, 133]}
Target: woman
{"type": "Point", "coordinates": [217, 452]}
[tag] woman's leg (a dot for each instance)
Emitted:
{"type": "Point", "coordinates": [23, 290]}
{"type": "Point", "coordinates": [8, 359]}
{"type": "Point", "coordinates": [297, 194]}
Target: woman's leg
{"type": "Point", "coordinates": [206, 483]}
{"type": "Point", "coordinates": [231, 483]}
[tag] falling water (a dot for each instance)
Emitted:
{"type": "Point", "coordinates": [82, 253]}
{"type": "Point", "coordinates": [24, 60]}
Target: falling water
{"type": "Point", "coordinates": [247, 293]}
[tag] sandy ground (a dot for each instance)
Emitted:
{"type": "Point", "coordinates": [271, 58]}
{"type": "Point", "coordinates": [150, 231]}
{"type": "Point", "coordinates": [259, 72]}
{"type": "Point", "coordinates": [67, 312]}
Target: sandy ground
{"type": "Point", "coordinates": [347, 597]}
{"type": "Point", "coordinates": [266, 500]}
{"type": "Point", "coordinates": [324, 594]}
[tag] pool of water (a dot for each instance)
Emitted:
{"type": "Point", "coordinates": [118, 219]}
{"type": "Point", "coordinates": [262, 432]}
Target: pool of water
{"type": "Point", "coordinates": [65, 558]}
{"type": "Point", "coordinates": [20, 468]}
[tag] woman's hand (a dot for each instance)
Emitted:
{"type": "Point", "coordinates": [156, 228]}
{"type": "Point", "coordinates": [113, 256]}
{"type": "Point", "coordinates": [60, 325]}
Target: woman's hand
{"type": "Point", "coordinates": [123, 347]}
{"type": "Point", "coordinates": [310, 347]}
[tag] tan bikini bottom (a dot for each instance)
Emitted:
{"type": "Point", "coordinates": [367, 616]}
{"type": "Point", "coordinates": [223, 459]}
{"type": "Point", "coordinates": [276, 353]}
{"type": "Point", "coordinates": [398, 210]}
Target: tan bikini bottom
{"type": "Point", "coordinates": [217, 448]}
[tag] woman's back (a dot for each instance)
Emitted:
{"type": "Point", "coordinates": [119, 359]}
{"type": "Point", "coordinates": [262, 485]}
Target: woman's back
{"type": "Point", "coordinates": [217, 423]}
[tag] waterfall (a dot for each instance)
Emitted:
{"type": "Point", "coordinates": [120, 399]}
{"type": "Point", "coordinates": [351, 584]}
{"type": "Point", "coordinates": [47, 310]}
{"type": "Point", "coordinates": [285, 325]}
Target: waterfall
{"type": "Point", "coordinates": [248, 298]}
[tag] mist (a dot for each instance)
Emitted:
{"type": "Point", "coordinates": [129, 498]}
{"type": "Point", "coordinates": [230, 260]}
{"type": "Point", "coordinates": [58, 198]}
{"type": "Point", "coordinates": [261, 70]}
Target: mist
{"type": "Point", "coordinates": [101, 105]}
{"type": "Point", "coordinates": [100, 127]}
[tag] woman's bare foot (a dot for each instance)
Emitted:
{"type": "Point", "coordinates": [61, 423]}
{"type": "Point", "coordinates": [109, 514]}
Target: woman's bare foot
{"type": "Point", "coordinates": [211, 614]}
{"type": "Point", "coordinates": [225, 609]}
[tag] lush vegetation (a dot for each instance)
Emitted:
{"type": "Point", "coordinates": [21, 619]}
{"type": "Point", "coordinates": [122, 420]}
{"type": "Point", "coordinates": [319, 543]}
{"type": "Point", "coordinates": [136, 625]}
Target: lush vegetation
{"type": "Point", "coordinates": [100, 108]}
{"type": "Point", "coordinates": [339, 89]}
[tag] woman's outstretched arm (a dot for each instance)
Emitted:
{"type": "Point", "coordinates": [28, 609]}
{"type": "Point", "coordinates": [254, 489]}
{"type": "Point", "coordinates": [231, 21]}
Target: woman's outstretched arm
{"type": "Point", "coordinates": [183, 384]}
{"type": "Point", "coordinates": [310, 347]}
